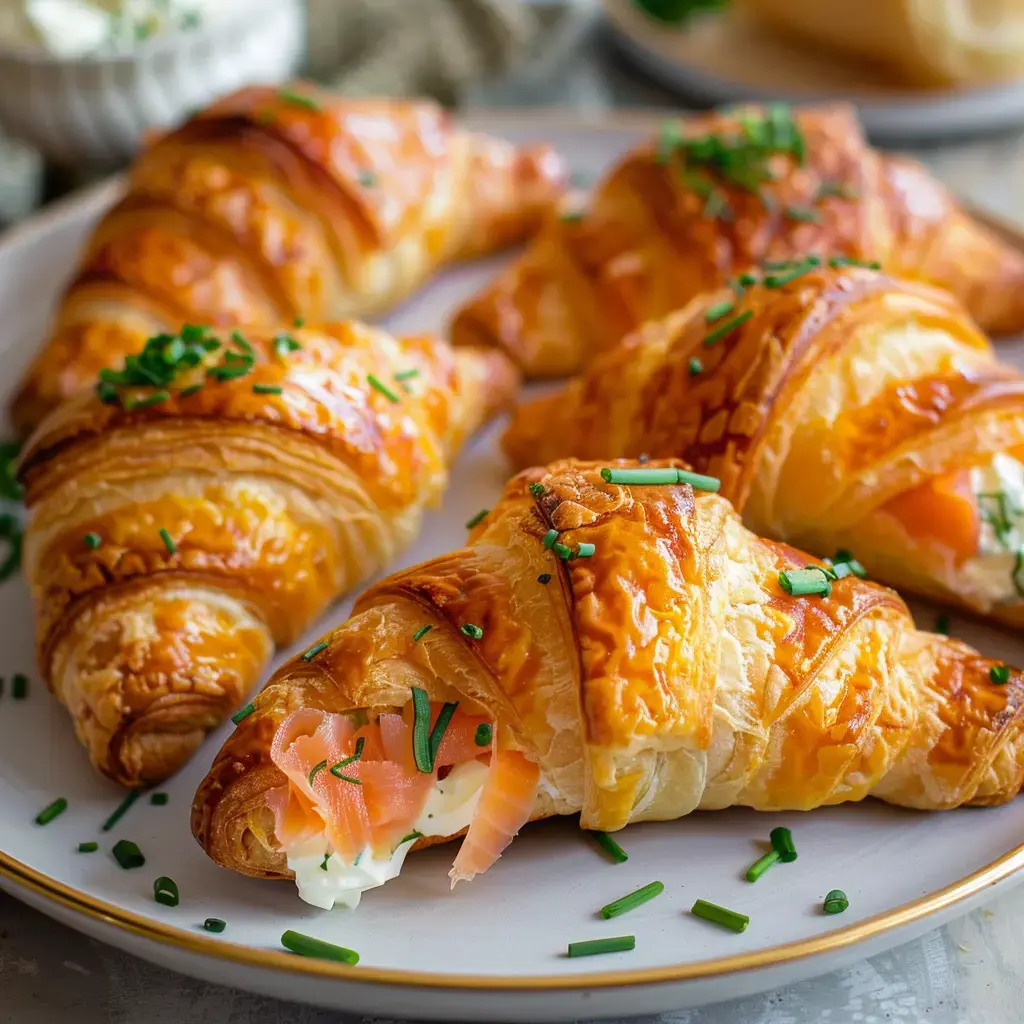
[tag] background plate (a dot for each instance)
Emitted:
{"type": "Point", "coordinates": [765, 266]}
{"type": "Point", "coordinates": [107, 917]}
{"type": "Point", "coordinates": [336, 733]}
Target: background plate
{"type": "Point", "coordinates": [493, 950]}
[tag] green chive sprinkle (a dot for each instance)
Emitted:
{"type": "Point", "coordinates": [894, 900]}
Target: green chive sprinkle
{"type": "Point", "coordinates": [563, 551]}
{"type": "Point", "coordinates": [585, 550]}
{"type": "Point", "coordinates": [158, 799]}
{"type": "Point", "coordinates": [345, 762]}
{"type": "Point", "coordinates": [54, 810]}
{"type": "Point", "coordinates": [720, 915]}
{"type": "Point", "coordinates": [128, 855]}
{"type": "Point", "coordinates": [19, 686]}
{"type": "Point", "coordinates": [633, 900]}
{"type": "Point", "coordinates": [242, 714]}
{"type": "Point", "coordinates": [421, 730]}
{"type": "Point", "coordinates": [315, 771]}
{"type": "Point", "coordinates": [760, 866]}
{"type": "Point", "coordinates": [544, 578]}
{"type": "Point", "coordinates": [215, 925]}
{"type": "Point", "coordinates": [696, 366]}
{"type": "Point", "coordinates": [421, 633]}
{"type": "Point", "coordinates": [410, 838]}
{"type": "Point", "coordinates": [472, 631]}
{"type": "Point", "coordinates": [323, 863]}
{"type": "Point", "coordinates": [88, 847]}
{"type": "Point", "coordinates": [550, 538]}
{"type": "Point", "coordinates": [838, 262]}
{"type": "Point", "coordinates": [719, 309]}
{"type": "Point", "coordinates": [314, 651]}
{"type": "Point", "coordinates": [667, 475]}
{"type": "Point", "coordinates": [407, 374]}
{"type": "Point", "coordinates": [778, 280]}
{"type": "Point", "coordinates": [536, 490]}
{"type": "Point", "coordinates": [187, 392]}
{"type": "Point", "coordinates": [595, 947]}
{"type": "Point", "coordinates": [285, 343]}
{"type": "Point", "coordinates": [441, 727]}
{"type": "Point", "coordinates": [484, 734]}
{"type": "Point", "coordinates": [838, 189]}
{"type": "Point", "coordinates": [172, 548]}
{"type": "Point", "coordinates": [728, 327]}
{"type": "Point", "coordinates": [165, 891]}
{"type": "Point", "coordinates": [92, 541]}
{"type": "Point", "coordinates": [299, 321]}
{"type": "Point", "coordinates": [306, 945]}
{"type": "Point", "coordinates": [803, 213]}
{"type": "Point", "coordinates": [747, 280]}
{"type": "Point", "coordinates": [943, 624]}
{"type": "Point", "coordinates": [782, 842]}
{"type": "Point", "coordinates": [378, 385]}
{"type": "Point", "coordinates": [367, 179]}
{"type": "Point", "coordinates": [296, 99]}
{"type": "Point", "coordinates": [803, 582]}
{"type": "Point", "coordinates": [835, 902]}
{"type": "Point", "coordinates": [267, 389]}
{"type": "Point", "coordinates": [122, 809]}
{"type": "Point", "coordinates": [146, 403]}
{"type": "Point", "coordinates": [477, 519]}
{"type": "Point", "coordinates": [612, 848]}
{"type": "Point", "coordinates": [999, 674]}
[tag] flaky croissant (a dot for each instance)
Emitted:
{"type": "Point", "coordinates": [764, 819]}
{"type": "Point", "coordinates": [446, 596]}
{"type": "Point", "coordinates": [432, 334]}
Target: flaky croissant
{"type": "Point", "coordinates": [279, 204]}
{"type": "Point", "coordinates": [841, 408]}
{"type": "Point", "coordinates": [717, 195]}
{"type": "Point", "coordinates": [180, 531]}
{"type": "Point", "coordinates": [634, 656]}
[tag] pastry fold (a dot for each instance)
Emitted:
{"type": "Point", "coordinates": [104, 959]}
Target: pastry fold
{"type": "Point", "coordinates": [647, 663]}
{"type": "Point", "coordinates": [718, 195]}
{"type": "Point", "coordinates": [841, 408]}
{"type": "Point", "coordinates": [178, 535]}
{"type": "Point", "coordinates": [272, 205]}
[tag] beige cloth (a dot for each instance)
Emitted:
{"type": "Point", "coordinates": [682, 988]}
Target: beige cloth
{"type": "Point", "coordinates": [436, 48]}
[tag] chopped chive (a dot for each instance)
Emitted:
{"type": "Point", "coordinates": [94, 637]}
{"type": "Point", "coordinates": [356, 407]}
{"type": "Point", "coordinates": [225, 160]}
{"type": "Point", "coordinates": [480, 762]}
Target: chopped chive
{"type": "Point", "coordinates": [231, 372]}
{"type": "Point", "coordinates": [571, 217]}
{"type": "Point", "coordinates": [633, 900]}
{"type": "Point", "coordinates": [314, 651]}
{"type": "Point", "coordinates": [172, 548]}
{"type": "Point", "coordinates": [411, 837]}
{"type": "Point", "coordinates": [407, 374]}
{"type": "Point", "coordinates": [1017, 577]}
{"type": "Point", "coordinates": [88, 847]}
{"type": "Point", "coordinates": [345, 762]}
{"type": "Point", "coordinates": [612, 848]}
{"type": "Point", "coordinates": [472, 631]}
{"type": "Point", "coordinates": [306, 945]}
{"type": "Point", "coordinates": [536, 490]}
{"type": "Point", "coordinates": [728, 327]}
{"type": "Point", "coordinates": [267, 389]}
{"type": "Point", "coordinates": [803, 213]}
{"type": "Point", "coordinates": [122, 809]}
{"type": "Point", "coordinates": [215, 925]}
{"type": "Point", "coordinates": [54, 810]}
{"type": "Point", "coordinates": [242, 714]}
{"type": "Point", "coordinates": [761, 865]}
{"type": "Point", "coordinates": [92, 541]}
{"type": "Point", "coordinates": [666, 475]}
{"type": "Point", "coordinates": [296, 99]}
{"type": "Point", "coordinates": [550, 538]}
{"type": "Point", "coordinates": [421, 633]}
{"type": "Point", "coordinates": [441, 727]}
{"type": "Point", "coordinates": [285, 343]}
{"type": "Point", "coordinates": [747, 280]}
{"type": "Point", "coordinates": [158, 799]}
{"type": "Point", "coordinates": [484, 734]}
{"type": "Point", "coordinates": [242, 342]}
{"type": "Point", "coordinates": [367, 179]}
{"type": "Point", "coordinates": [19, 686]}
{"type": "Point", "coordinates": [720, 915]}
{"type": "Point", "coordinates": [477, 519]}
{"type": "Point", "coordinates": [378, 385]}
{"type": "Point", "coordinates": [943, 624]}
{"type": "Point", "coordinates": [585, 550]}
{"type": "Point", "coordinates": [782, 841]}
{"type": "Point", "coordinates": [803, 582]}
{"type": "Point", "coordinates": [563, 551]}
{"type": "Point", "coordinates": [128, 855]}
{"type": "Point", "coordinates": [315, 771]}
{"type": "Point", "coordinates": [595, 947]}
{"type": "Point", "coordinates": [999, 674]}
{"type": "Point", "coordinates": [778, 280]}
{"type": "Point", "coordinates": [299, 321]}
{"type": "Point", "coordinates": [421, 730]}
{"type": "Point", "coordinates": [719, 309]}
{"type": "Point", "coordinates": [165, 891]}
{"type": "Point", "coordinates": [323, 863]}
{"type": "Point", "coordinates": [838, 262]}
{"type": "Point", "coordinates": [145, 403]}
{"type": "Point", "coordinates": [696, 366]}
{"type": "Point", "coordinates": [544, 578]}
{"type": "Point", "coordinates": [835, 902]}
{"type": "Point", "coordinates": [187, 392]}
{"type": "Point", "coordinates": [838, 189]}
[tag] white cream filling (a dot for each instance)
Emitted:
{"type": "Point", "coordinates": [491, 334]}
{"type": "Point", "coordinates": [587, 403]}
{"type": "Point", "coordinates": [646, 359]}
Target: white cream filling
{"type": "Point", "coordinates": [327, 883]}
{"type": "Point", "coordinates": [991, 572]}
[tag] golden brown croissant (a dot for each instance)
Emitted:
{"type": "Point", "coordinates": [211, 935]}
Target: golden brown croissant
{"type": "Point", "coordinates": [633, 654]}
{"type": "Point", "coordinates": [715, 196]}
{"type": "Point", "coordinates": [280, 204]}
{"type": "Point", "coordinates": [923, 42]}
{"type": "Point", "coordinates": [211, 500]}
{"type": "Point", "coordinates": [841, 408]}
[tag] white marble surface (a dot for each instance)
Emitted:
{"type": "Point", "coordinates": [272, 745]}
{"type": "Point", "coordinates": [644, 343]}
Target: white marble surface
{"type": "Point", "coordinates": [970, 972]}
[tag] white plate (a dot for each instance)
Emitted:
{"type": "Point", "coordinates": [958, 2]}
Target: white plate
{"type": "Point", "coordinates": [719, 58]}
{"type": "Point", "coordinates": [494, 949]}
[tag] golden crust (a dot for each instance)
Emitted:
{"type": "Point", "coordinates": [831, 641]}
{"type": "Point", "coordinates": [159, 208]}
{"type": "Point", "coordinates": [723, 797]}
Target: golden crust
{"type": "Point", "coordinates": [667, 671]}
{"type": "Point", "coordinates": [227, 520]}
{"type": "Point", "coordinates": [647, 244]}
{"type": "Point", "coordinates": [261, 210]}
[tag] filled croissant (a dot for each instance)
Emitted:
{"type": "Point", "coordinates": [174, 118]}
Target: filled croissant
{"type": "Point", "coordinates": [275, 204]}
{"type": "Point", "coordinates": [611, 643]}
{"type": "Point", "coordinates": [841, 408]}
{"type": "Point", "coordinates": [207, 502]}
{"type": "Point", "coordinates": [715, 196]}
{"type": "Point", "coordinates": [930, 43]}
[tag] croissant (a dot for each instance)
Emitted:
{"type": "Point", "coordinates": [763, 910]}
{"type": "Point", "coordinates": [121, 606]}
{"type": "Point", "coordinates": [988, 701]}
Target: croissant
{"type": "Point", "coordinates": [273, 205]}
{"type": "Point", "coordinates": [930, 43]}
{"type": "Point", "coordinates": [841, 408]}
{"type": "Point", "coordinates": [625, 651]}
{"type": "Point", "coordinates": [718, 195]}
{"type": "Point", "coordinates": [207, 502]}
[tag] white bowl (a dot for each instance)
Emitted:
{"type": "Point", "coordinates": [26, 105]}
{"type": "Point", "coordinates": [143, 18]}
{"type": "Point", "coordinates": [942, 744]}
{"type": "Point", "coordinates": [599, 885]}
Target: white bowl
{"type": "Point", "coordinates": [97, 109]}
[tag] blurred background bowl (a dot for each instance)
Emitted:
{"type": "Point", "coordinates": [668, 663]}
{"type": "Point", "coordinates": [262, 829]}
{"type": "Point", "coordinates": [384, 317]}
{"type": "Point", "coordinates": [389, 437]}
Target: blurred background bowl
{"type": "Point", "coordinates": [96, 109]}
